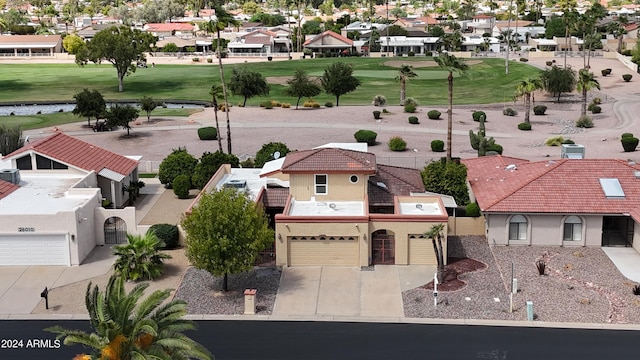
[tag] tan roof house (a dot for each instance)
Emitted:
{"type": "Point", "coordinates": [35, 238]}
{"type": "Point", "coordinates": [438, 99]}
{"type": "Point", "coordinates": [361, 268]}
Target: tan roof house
{"type": "Point", "coordinates": [565, 202]}
{"type": "Point", "coordinates": [30, 45]}
{"type": "Point", "coordinates": [260, 41]}
{"type": "Point", "coordinates": [329, 41]}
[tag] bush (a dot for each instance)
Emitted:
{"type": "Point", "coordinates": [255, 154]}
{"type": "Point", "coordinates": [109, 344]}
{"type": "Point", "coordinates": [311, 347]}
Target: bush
{"type": "Point", "coordinates": [524, 59]}
{"type": "Point", "coordinates": [267, 104]}
{"type": "Point", "coordinates": [627, 77]}
{"type": "Point", "coordinates": [181, 185]}
{"type": "Point", "coordinates": [311, 104]}
{"type": "Point", "coordinates": [247, 164]}
{"type": "Point", "coordinates": [524, 126]}
{"type": "Point", "coordinates": [208, 133]}
{"type": "Point", "coordinates": [541, 266]}
{"type": "Point", "coordinates": [478, 114]}
{"type": "Point", "coordinates": [624, 135]}
{"type": "Point", "coordinates": [568, 141]}
{"type": "Point", "coordinates": [411, 53]}
{"type": "Point", "coordinates": [605, 72]}
{"type": "Point", "coordinates": [596, 100]}
{"type": "Point", "coordinates": [410, 108]}
{"type": "Point", "coordinates": [366, 136]}
{"type": "Point", "coordinates": [376, 114]}
{"type": "Point", "coordinates": [472, 210]}
{"type": "Point", "coordinates": [590, 106]}
{"type": "Point", "coordinates": [179, 162]}
{"type": "Point", "coordinates": [509, 112]}
{"type": "Point", "coordinates": [328, 104]}
{"type": "Point", "coordinates": [495, 148]}
{"type": "Point", "coordinates": [539, 109]}
{"type": "Point", "coordinates": [636, 290]}
{"type": "Point", "coordinates": [411, 101]}
{"type": "Point", "coordinates": [167, 234]}
{"type": "Point", "coordinates": [195, 59]}
{"type": "Point", "coordinates": [596, 109]}
{"type": "Point", "coordinates": [385, 111]}
{"type": "Point", "coordinates": [434, 114]}
{"type": "Point", "coordinates": [267, 151]}
{"type": "Point", "coordinates": [584, 122]}
{"type": "Point", "coordinates": [209, 60]}
{"type": "Point", "coordinates": [140, 258]}
{"type": "Point", "coordinates": [285, 105]}
{"type": "Point", "coordinates": [554, 141]}
{"type": "Point", "coordinates": [208, 165]}
{"type": "Point", "coordinates": [437, 146]}
{"type": "Point", "coordinates": [549, 63]}
{"type": "Point", "coordinates": [379, 100]}
{"type": "Point", "coordinates": [629, 143]}
{"type": "Point", "coordinates": [397, 144]}
{"type": "Point", "coordinates": [413, 120]}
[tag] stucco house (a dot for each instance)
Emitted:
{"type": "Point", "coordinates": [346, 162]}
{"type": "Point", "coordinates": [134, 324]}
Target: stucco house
{"type": "Point", "coordinates": [329, 41]}
{"type": "Point", "coordinates": [259, 41]}
{"type": "Point", "coordinates": [51, 197]}
{"type": "Point", "coordinates": [30, 45]}
{"type": "Point", "coordinates": [565, 202]}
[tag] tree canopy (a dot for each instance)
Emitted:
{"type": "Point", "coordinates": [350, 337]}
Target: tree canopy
{"type": "Point", "coordinates": [121, 115]}
{"type": "Point", "coordinates": [301, 86]}
{"type": "Point", "coordinates": [448, 178]}
{"type": "Point", "coordinates": [557, 80]}
{"type": "Point", "coordinates": [267, 151]}
{"type": "Point", "coordinates": [147, 104]}
{"type": "Point", "coordinates": [338, 80]}
{"type": "Point", "coordinates": [121, 46]}
{"type": "Point", "coordinates": [225, 233]}
{"type": "Point", "coordinates": [89, 104]}
{"type": "Point", "coordinates": [209, 164]}
{"type": "Point", "coordinates": [247, 83]}
{"type": "Point", "coordinates": [179, 162]}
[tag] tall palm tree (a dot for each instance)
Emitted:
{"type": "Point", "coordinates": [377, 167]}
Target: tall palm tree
{"type": "Point", "coordinates": [451, 64]}
{"type": "Point", "coordinates": [435, 234]}
{"type": "Point", "coordinates": [128, 327]}
{"type": "Point", "coordinates": [586, 82]}
{"type": "Point", "coordinates": [525, 89]}
{"type": "Point", "coordinates": [404, 74]}
{"type": "Point", "coordinates": [216, 93]}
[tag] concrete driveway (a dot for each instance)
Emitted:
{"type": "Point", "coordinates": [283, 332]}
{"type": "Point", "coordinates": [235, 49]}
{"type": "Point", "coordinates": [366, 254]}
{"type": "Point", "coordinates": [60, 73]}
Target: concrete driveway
{"type": "Point", "coordinates": [348, 291]}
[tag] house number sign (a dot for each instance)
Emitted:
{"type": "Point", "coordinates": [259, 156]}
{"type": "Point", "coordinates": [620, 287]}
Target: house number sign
{"type": "Point", "coordinates": [26, 229]}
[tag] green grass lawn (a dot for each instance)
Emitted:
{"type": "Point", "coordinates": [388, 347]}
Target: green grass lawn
{"type": "Point", "coordinates": [484, 82]}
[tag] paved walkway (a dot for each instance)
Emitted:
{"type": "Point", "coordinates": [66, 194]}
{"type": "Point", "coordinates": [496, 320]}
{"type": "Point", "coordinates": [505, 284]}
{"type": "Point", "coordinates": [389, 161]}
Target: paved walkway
{"type": "Point", "coordinates": [626, 259]}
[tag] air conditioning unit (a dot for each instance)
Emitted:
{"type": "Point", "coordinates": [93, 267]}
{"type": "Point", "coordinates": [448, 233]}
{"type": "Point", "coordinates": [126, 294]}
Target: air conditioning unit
{"type": "Point", "coordinates": [10, 175]}
{"type": "Point", "coordinates": [572, 151]}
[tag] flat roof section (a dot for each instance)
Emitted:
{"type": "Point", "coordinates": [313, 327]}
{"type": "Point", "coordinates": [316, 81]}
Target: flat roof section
{"type": "Point", "coordinates": [326, 208]}
{"type": "Point", "coordinates": [250, 177]}
{"type": "Point", "coordinates": [43, 194]}
{"type": "Point", "coordinates": [421, 207]}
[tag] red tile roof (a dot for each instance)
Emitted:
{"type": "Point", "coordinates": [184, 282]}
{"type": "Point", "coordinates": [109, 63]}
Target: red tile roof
{"type": "Point", "coordinates": [78, 153]}
{"type": "Point", "coordinates": [329, 160]}
{"type": "Point", "coordinates": [345, 40]}
{"type": "Point", "coordinates": [275, 197]}
{"type": "Point", "coordinates": [556, 186]}
{"type": "Point", "coordinates": [398, 181]}
{"type": "Point", "coordinates": [7, 188]}
{"type": "Point", "coordinates": [163, 27]}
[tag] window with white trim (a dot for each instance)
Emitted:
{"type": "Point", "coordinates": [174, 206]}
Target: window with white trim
{"type": "Point", "coordinates": [572, 229]}
{"type": "Point", "coordinates": [321, 184]}
{"type": "Point", "coordinates": [518, 228]}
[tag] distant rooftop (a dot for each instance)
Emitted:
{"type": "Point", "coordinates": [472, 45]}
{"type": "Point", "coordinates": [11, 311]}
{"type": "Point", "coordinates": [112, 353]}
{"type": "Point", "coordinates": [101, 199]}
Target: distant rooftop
{"type": "Point", "coordinates": [420, 206]}
{"type": "Point", "coordinates": [251, 178]}
{"type": "Point", "coordinates": [325, 208]}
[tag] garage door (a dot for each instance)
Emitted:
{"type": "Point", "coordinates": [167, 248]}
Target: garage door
{"type": "Point", "coordinates": [325, 251]}
{"type": "Point", "coordinates": [421, 251]}
{"type": "Point", "coordinates": [34, 250]}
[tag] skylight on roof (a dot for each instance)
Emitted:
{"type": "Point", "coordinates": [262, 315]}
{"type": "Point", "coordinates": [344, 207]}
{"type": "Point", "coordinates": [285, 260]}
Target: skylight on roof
{"type": "Point", "coordinates": [611, 188]}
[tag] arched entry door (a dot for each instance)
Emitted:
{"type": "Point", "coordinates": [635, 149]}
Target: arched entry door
{"type": "Point", "coordinates": [383, 245]}
{"type": "Point", "coordinates": [115, 231]}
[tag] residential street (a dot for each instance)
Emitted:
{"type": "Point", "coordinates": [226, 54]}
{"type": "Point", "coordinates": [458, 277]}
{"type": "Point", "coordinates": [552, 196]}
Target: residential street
{"type": "Point", "coordinates": [350, 341]}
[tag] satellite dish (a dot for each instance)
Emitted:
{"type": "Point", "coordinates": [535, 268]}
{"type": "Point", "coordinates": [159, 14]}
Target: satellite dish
{"type": "Point", "coordinates": [276, 155]}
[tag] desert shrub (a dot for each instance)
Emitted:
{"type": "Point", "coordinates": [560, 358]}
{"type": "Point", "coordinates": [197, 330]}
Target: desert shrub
{"type": "Point", "coordinates": [636, 290]}
{"type": "Point", "coordinates": [267, 151]}
{"type": "Point", "coordinates": [413, 120]}
{"type": "Point", "coordinates": [385, 111]}
{"type": "Point", "coordinates": [209, 60]}
{"type": "Point", "coordinates": [208, 133]}
{"type": "Point", "coordinates": [396, 143]}
{"type": "Point", "coordinates": [539, 109]}
{"type": "Point", "coordinates": [411, 101]}
{"type": "Point", "coordinates": [411, 53]}
{"type": "Point", "coordinates": [367, 136]}
{"type": "Point", "coordinates": [627, 77]}
{"type": "Point", "coordinates": [379, 100]}
{"type": "Point", "coordinates": [311, 104]}
{"type": "Point", "coordinates": [524, 126]}
{"type": "Point", "coordinates": [181, 185]}
{"type": "Point", "coordinates": [285, 105]}
{"type": "Point", "coordinates": [179, 162]}
{"type": "Point", "coordinates": [328, 104]}
{"type": "Point", "coordinates": [596, 109]}
{"type": "Point", "coordinates": [434, 114]}
{"type": "Point", "coordinates": [554, 141]}
{"type": "Point", "coordinates": [478, 114]}
{"type": "Point", "coordinates": [248, 163]}
{"type": "Point", "coordinates": [472, 210]}
{"type": "Point", "coordinates": [568, 141]}
{"type": "Point", "coordinates": [276, 103]}
{"type": "Point", "coordinates": [629, 143]}
{"type": "Point", "coordinates": [167, 234]}
{"type": "Point", "coordinates": [410, 108]}
{"type": "Point", "coordinates": [195, 59]}
{"type": "Point", "coordinates": [605, 72]}
{"type": "Point", "coordinates": [549, 63]}
{"type": "Point", "coordinates": [624, 135]}
{"type": "Point", "coordinates": [584, 122]}
{"type": "Point", "coordinates": [266, 104]}
{"type": "Point", "coordinates": [437, 146]}
{"type": "Point", "coordinates": [495, 148]}
{"type": "Point", "coordinates": [509, 112]}
{"type": "Point", "coordinates": [590, 106]}
{"type": "Point", "coordinates": [376, 114]}
{"type": "Point", "coordinates": [524, 59]}
{"type": "Point", "coordinates": [541, 266]}
{"type": "Point", "coordinates": [596, 100]}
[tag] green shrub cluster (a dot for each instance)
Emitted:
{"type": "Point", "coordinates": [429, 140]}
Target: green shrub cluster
{"type": "Point", "coordinates": [181, 185]}
{"type": "Point", "coordinates": [524, 126]}
{"type": "Point", "coordinates": [627, 77]}
{"type": "Point", "coordinates": [413, 120]}
{"type": "Point", "coordinates": [596, 109]}
{"type": "Point", "coordinates": [509, 112]}
{"type": "Point", "coordinates": [584, 122]}
{"type": "Point", "coordinates": [379, 100]}
{"type": "Point", "coordinates": [328, 104]}
{"type": "Point", "coordinates": [629, 142]}
{"type": "Point", "coordinates": [208, 133]}
{"type": "Point", "coordinates": [167, 234]}
{"type": "Point", "coordinates": [410, 108]}
{"type": "Point", "coordinates": [555, 141]}
{"type": "Point", "coordinates": [396, 143]}
{"type": "Point", "coordinates": [605, 72]}
{"type": "Point", "coordinates": [434, 114]}
{"type": "Point", "coordinates": [523, 59]}
{"type": "Point", "coordinates": [539, 109]}
{"type": "Point", "coordinates": [478, 114]}
{"type": "Point", "coordinates": [437, 146]}
{"type": "Point", "coordinates": [267, 104]}
{"type": "Point", "coordinates": [366, 136]}
{"type": "Point", "coordinates": [495, 148]}
{"type": "Point", "coordinates": [472, 210]}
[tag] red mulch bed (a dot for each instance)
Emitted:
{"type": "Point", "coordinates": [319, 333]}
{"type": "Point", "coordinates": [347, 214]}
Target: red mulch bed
{"type": "Point", "coordinates": [455, 268]}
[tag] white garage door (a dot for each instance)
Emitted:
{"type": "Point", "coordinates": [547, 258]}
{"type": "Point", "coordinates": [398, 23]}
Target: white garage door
{"type": "Point", "coordinates": [34, 250]}
{"type": "Point", "coordinates": [337, 251]}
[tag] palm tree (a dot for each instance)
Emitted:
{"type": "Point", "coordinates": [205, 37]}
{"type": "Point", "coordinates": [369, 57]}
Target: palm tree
{"type": "Point", "coordinates": [124, 327]}
{"type": "Point", "coordinates": [586, 81]}
{"type": "Point", "coordinates": [526, 88]}
{"type": "Point", "coordinates": [216, 93]}
{"type": "Point", "coordinates": [435, 234]}
{"type": "Point", "coordinates": [451, 64]}
{"type": "Point", "coordinates": [140, 259]}
{"type": "Point", "coordinates": [404, 74]}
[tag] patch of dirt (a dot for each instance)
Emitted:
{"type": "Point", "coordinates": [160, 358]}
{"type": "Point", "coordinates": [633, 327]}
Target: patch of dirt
{"type": "Point", "coordinates": [422, 64]}
{"type": "Point", "coordinates": [452, 271]}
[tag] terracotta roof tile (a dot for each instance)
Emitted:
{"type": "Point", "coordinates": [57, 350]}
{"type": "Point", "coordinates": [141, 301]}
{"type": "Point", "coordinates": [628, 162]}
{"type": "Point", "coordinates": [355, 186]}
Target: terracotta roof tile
{"type": "Point", "coordinates": [79, 153]}
{"type": "Point", "coordinates": [169, 27]}
{"type": "Point", "coordinates": [329, 33]}
{"type": "Point", "coordinates": [329, 160]}
{"type": "Point", "coordinates": [275, 197]}
{"type": "Point", "coordinates": [397, 181]}
{"type": "Point", "coordinates": [556, 186]}
{"type": "Point", "coordinates": [7, 188]}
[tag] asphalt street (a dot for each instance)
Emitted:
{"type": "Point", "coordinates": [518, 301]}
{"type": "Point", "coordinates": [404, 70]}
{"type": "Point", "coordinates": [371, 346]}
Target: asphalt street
{"type": "Point", "coordinates": [25, 340]}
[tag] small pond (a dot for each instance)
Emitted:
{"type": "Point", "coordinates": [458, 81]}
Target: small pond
{"type": "Point", "coordinates": [34, 109]}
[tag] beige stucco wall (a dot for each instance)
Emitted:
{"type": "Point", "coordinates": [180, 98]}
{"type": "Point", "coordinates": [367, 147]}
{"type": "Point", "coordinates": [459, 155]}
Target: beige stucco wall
{"type": "Point", "coordinates": [636, 236]}
{"type": "Point", "coordinates": [339, 188]}
{"type": "Point", "coordinates": [127, 214]}
{"type": "Point", "coordinates": [466, 225]}
{"type": "Point", "coordinates": [402, 230]}
{"type": "Point", "coordinates": [544, 230]}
